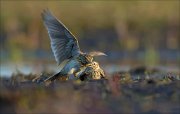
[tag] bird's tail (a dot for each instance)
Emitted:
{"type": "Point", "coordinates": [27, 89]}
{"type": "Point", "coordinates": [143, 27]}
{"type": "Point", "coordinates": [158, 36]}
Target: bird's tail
{"type": "Point", "coordinates": [52, 78]}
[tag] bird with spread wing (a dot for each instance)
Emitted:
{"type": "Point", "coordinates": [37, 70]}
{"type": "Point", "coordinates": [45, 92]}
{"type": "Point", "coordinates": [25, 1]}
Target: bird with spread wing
{"type": "Point", "coordinates": [67, 51]}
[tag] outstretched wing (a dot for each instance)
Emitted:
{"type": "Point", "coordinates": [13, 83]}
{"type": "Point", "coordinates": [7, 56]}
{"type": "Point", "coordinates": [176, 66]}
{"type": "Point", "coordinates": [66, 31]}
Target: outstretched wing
{"type": "Point", "coordinates": [63, 43]}
{"type": "Point", "coordinates": [96, 53]}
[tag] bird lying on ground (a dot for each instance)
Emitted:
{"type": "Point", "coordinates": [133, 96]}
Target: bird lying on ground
{"type": "Point", "coordinates": [67, 53]}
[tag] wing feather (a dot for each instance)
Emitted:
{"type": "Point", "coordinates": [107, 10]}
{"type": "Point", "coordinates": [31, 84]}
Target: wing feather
{"type": "Point", "coordinates": [63, 43]}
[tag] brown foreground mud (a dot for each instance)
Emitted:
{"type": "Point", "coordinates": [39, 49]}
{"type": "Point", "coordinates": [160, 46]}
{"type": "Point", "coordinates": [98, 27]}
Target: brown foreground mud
{"type": "Point", "coordinates": [137, 91]}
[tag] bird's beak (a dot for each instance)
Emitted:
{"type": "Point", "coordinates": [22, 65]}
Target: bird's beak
{"type": "Point", "coordinates": [97, 53]}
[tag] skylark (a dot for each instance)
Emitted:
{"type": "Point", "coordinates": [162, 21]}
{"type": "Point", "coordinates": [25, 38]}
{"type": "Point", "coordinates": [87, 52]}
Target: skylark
{"type": "Point", "coordinates": [66, 50]}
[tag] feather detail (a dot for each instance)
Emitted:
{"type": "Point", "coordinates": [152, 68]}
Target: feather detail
{"type": "Point", "coordinates": [63, 43]}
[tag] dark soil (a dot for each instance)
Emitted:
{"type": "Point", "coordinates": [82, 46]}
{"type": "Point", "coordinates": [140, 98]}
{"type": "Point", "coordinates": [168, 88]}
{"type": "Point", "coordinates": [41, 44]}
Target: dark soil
{"type": "Point", "coordinates": [140, 90]}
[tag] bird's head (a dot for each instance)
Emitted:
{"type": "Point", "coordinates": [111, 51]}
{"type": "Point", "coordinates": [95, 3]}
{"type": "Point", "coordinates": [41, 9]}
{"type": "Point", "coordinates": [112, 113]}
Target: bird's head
{"type": "Point", "coordinates": [88, 58]}
{"type": "Point", "coordinates": [85, 59]}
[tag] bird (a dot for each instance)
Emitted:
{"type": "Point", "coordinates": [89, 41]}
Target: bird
{"type": "Point", "coordinates": [91, 71]}
{"type": "Point", "coordinates": [66, 48]}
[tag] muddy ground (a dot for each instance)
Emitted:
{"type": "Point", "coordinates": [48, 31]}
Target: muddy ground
{"type": "Point", "coordinates": [140, 90]}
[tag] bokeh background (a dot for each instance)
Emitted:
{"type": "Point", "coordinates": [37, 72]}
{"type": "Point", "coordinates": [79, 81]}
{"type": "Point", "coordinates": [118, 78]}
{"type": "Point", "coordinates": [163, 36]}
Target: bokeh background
{"type": "Point", "coordinates": [131, 33]}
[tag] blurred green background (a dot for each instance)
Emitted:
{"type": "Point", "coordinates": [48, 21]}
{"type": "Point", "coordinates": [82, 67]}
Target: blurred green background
{"type": "Point", "coordinates": [129, 32]}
